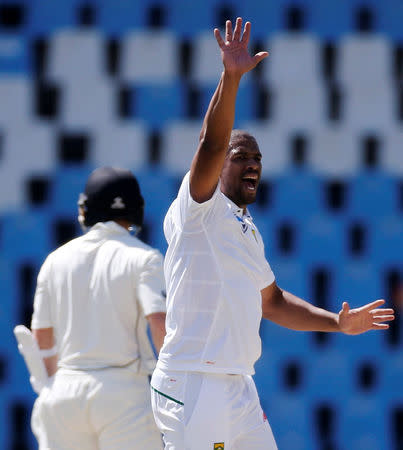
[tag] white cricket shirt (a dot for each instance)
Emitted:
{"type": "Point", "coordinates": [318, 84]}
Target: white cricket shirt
{"type": "Point", "coordinates": [215, 268]}
{"type": "Point", "coordinates": [95, 291]}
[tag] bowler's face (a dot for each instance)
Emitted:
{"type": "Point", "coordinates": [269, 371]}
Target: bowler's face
{"type": "Point", "coordinates": [241, 172]}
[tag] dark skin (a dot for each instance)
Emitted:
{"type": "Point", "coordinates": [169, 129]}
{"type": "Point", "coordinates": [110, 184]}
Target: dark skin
{"type": "Point", "coordinates": [241, 171]}
{"type": "Point", "coordinates": [237, 165]}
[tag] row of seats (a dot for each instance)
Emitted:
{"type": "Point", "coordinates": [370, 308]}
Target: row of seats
{"type": "Point", "coordinates": [296, 192]}
{"type": "Point", "coordinates": [154, 57]}
{"type": "Point", "coordinates": [89, 105]}
{"type": "Point", "coordinates": [329, 18]}
{"type": "Point", "coordinates": [333, 150]}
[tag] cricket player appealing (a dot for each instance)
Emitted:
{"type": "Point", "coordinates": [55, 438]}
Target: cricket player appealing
{"type": "Point", "coordinates": [219, 285]}
{"type": "Point", "coordinates": [93, 298]}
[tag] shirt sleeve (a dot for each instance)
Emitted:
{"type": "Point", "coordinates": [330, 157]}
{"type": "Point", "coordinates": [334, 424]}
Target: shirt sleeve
{"type": "Point", "coordinates": [188, 214]}
{"type": "Point", "coordinates": [41, 317]}
{"type": "Point", "coordinates": [151, 285]}
{"type": "Point", "coordinates": [267, 277]}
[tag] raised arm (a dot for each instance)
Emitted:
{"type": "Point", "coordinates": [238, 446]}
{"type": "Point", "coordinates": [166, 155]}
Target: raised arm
{"type": "Point", "coordinates": [218, 122]}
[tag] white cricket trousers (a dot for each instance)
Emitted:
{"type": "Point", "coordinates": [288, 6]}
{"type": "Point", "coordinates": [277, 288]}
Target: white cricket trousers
{"type": "Point", "coordinates": [206, 411]}
{"type": "Point", "coordinates": [106, 409]}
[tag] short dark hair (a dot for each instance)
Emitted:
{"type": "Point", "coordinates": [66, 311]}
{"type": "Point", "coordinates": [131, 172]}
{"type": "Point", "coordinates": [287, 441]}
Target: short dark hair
{"type": "Point", "coordinates": [237, 136]}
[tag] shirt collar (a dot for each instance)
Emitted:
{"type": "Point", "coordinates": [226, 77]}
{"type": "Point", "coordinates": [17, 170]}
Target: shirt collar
{"type": "Point", "coordinates": [237, 210]}
{"type": "Point", "coordinates": [109, 227]}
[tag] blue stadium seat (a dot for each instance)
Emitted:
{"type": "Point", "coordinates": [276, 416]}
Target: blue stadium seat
{"type": "Point", "coordinates": [245, 102]}
{"type": "Point", "coordinates": [391, 375]}
{"type": "Point", "coordinates": [386, 244]}
{"type": "Point", "coordinates": [117, 18]}
{"type": "Point", "coordinates": [14, 54]}
{"type": "Point", "coordinates": [333, 19]}
{"type": "Point", "coordinates": [267, 376]}
{"type": "Point", "coordinates": [158, 190]}
{"type": "Point", "coordinates": [291, 274]}
{"type": "Point", "coordinates": [364, 423]}
{"type": "Point", "coordinates": [9, 303]}
{"type": "Point", "coordinates": [323, 238]}
{"type": "Point", "coordinates": [329, 376]}
{"type": "Point", "coordinates": [298, 193]}
{"type": "Point", "coordinates": [266, 17]}
{"type": "Point", "coordinates": [189, 18]}
{"type": "Point", "coordinates": [287, 343]}
{"type": "Point", "coordinates": [391, 13]}
{"type": "Point", "coordinates": [26, 234]}
{"type": "Point", "coordinates": [290, 418]}
{"type": "Point", "coordinates": [358, 282]}
{"type": "Point", "coordinates": [158, 103]}
{"type": "Point", "coordinates": [372, 195]}
{"type": "Point", "coordinates": [67, 184]}
{"type": "Point", "coordinates": [5, 420]}
{"type": "Point", "coordinates": [45, 17]}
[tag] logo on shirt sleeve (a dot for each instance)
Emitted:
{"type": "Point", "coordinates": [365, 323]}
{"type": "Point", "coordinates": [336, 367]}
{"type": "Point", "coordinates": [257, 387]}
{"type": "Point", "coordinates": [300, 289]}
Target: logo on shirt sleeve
{"type": "Point", "coordinates": [219, 446]}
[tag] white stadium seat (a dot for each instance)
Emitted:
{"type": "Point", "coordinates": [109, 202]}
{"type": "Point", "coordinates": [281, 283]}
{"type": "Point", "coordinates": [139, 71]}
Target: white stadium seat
{"type": "Point", "coordinates": [149, 57]}
{"type": "Point", "coordinates": [15, 101]}
{"type": "Point", "coordinates": [294, 60]}
{"type": "Point", "coordinates": [88, 104]}
{"type": "Point", "coordinates": [392, 151]}
{"type": "Point", "coordinates": [76, 56]}
{"type": "Point", "coordinates": [28, 150]}
{"type": "Point", "coordinates": [334, 151]}
{"type": "Point", "coordinates": [369, 106]}
{"type": "Point", "coordinates": [180, 142]}
{"type": "Point", "coordinates": [122, 144]}
{"type": "Point", "coordinates": [299, 106]}
{"type": "Point", "coordinates": [364, 59]}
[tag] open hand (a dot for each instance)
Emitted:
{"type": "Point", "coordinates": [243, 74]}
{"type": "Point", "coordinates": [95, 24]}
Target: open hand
{"type": "Point", "coordinates": [365, 318]}
{"type": "Point", "coordinates": [234, 51]}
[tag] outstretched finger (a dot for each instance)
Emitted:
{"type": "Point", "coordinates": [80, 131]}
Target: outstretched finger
{"type": "Point", "coordinates": [379, 319]}
{"type": "Point", "coordinates": [379, 326]}
{"type": "Point", "coordinates": [373, 305]}
{"type": "Point", "coordinates": [238, 29]}
{"type": "Point", "coordinates": [382, 311]}
{"type": "Point", "coordinates": [219, 39]}
{"type": "Point", "coordinates": [246, 33]}
{"type": "Point", "coordinates": [259, 56]}
{"type": "Point", "coordinates": [228, 31]}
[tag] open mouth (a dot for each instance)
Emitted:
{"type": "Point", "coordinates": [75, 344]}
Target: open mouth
{"type": "Point", "coordinates": [250, 182]}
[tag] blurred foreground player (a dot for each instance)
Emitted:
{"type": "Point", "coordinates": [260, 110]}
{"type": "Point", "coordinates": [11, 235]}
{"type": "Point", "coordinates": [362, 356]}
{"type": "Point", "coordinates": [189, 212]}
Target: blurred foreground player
{"type": "Point", "coordinates": [93, 298]}
{"type": "Point", "coordinates": [219, 285]}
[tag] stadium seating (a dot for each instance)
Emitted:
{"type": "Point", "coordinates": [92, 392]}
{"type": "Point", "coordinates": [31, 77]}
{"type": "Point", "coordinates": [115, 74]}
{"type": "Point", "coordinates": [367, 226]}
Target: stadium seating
{"type": "Point", "coordinates": [126, 83]}
{"type": "Point", "coordinates": [85, 63]}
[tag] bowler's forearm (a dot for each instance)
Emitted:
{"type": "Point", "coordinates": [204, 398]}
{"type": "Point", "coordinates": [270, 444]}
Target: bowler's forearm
{"type": "Point", "coordinates": [219, 119]}
{"type": "Point", "coordinates": [292, 312]}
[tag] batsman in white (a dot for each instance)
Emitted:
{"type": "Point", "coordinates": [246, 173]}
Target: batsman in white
{"type": "Point", "coordinates": [93, 299]}
{"type": "Point", "coordinates": [219, 285]}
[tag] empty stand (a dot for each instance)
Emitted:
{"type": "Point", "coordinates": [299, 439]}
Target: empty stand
{"type": "Point", "coordinates": [121, 144]}
{"type": "Point", "coordinates": [334, 152]}
{"type": "Point", "coordinates": [149, 57]}
{"type": "Point", "coordinates": [16, 104]}
{"type": "Point", "coordinates": [356, 56]}
{"type": "Point", "coordinates": [391, 157]}
{"type": "Point", "coordinates": [179, 145]}
{"type": "Point", "coordinates": [76, 56]}
{"type": "Point", "coordinates": [126, 83]}
{"type": "Point", "coordinates": [294, 60]}
{"type": "Point", "coordinates": [88, 104]}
